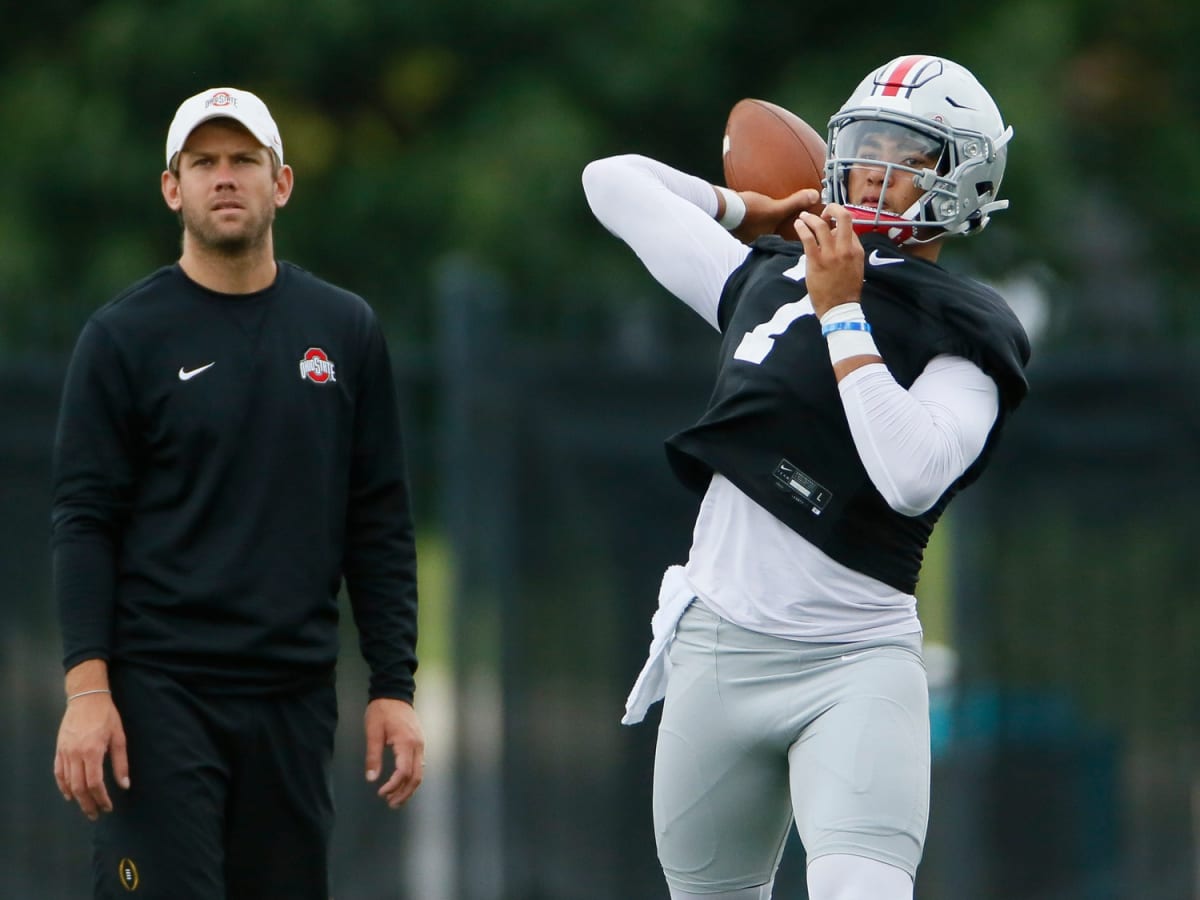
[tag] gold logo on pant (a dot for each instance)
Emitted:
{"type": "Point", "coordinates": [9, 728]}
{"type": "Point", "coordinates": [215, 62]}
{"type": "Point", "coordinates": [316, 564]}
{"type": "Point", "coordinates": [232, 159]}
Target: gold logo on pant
{"type": "Point", "coordinates": [128, 874]}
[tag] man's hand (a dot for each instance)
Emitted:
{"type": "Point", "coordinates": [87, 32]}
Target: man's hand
{"type": "Point", "coordinates": [834, 257]}
{"type": "Point", "coordinates": [91, 728]}
{"type": "Point", "coordinates": [394, 723]}
{"type": "Point", "coordinates": [765, 215]}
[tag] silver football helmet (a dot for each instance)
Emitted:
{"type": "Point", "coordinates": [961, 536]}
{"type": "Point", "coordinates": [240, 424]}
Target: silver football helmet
{"type": "Point", "coordinates": [939, 108]}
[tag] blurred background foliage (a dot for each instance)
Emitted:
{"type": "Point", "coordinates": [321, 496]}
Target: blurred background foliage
{"type": "Point", "coordinates": [434, 143]}
{"type": "Point", "coordinates": [419, 129]}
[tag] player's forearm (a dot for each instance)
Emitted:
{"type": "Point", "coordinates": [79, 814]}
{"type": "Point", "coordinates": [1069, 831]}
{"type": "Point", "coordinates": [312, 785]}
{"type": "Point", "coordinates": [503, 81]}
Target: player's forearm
{"type": "Point", "coordinates": [914, 444]}
{"type": "Point", "coordinates": [667, 218]}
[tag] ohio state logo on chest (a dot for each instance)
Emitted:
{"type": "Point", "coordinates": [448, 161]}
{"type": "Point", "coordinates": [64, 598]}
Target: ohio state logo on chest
{"type": "Point", "coordinates": [317, 366]}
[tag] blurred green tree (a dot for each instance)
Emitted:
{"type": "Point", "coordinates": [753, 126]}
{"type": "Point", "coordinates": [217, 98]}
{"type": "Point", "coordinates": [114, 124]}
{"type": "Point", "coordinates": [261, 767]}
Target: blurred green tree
{"type": "Point", "coordinates": [417, 130]}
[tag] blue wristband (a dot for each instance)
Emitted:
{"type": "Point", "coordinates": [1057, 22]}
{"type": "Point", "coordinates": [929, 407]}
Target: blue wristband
{"type": "Point", "coordinates": [827, 330]}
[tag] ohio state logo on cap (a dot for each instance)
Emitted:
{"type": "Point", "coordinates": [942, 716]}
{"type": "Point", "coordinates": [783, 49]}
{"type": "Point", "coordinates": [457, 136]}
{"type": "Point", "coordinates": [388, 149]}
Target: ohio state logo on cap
{"type": "Point", "coordinates": [317, 366]}
{"type": "Point", "coordinates": [220, 98]}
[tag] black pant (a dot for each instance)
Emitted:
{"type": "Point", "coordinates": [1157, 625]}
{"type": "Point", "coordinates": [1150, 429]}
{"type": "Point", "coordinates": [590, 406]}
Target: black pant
{"type": "Point", "coordinates": [230, 796]}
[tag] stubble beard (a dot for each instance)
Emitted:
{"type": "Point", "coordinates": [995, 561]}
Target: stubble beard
{"type": "Point", "coordinates": [212, 239]}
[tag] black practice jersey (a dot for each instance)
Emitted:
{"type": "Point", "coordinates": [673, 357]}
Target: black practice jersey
{"type": "Point", "coordinates": [775, 425]}
{"type": "Point", "coordinates": [221, 463]}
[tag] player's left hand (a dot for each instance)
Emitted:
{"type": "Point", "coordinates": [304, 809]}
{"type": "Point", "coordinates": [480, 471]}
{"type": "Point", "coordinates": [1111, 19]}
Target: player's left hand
{"type": "Point", "coordinates": [764, 214]}
{"type": "Point", "coordinates": [394, 723]}
{"type": "Point", "coordinates": [834, 257]}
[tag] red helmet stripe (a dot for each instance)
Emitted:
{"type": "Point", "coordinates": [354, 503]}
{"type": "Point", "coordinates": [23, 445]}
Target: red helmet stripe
{"type": "Point", "coordinates": [893, 81]}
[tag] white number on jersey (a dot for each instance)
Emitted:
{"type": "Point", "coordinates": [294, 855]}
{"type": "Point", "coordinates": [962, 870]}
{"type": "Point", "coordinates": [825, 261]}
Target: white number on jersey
{"type": "Point", "coordinates": [756, 344]}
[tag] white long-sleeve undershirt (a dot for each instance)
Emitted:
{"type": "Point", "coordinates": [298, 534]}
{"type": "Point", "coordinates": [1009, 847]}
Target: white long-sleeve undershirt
{"type": "Point", "coordinates": [913, 443]}
{"type": "Point", "coordinates": [666, 218]}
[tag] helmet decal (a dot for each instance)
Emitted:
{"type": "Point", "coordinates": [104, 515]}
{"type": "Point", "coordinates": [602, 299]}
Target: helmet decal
{"type": "Point", "coordinates": [900, 77]}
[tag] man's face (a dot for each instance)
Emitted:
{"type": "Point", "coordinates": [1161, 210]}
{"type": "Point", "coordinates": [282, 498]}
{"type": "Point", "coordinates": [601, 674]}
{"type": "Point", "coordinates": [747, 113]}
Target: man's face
{"type": "Point", "coordinates": [870, 181]}
{"type": "Point", "coordinates": [227, 187]}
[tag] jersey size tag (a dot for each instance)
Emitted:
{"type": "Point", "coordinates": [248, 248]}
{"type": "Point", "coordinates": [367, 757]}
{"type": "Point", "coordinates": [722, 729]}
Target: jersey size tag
{"type": "Point", "coordinates": [801, 488]}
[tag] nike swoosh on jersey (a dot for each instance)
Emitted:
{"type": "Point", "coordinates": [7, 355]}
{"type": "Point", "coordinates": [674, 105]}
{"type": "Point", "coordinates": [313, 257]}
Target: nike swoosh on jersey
{"type": "Point", "coordinates": [185, 374]}
{"type": "Point", "coordinates": [876, 260]}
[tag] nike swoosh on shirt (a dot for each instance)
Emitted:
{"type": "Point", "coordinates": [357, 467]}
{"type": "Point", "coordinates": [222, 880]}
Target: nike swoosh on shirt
{"type": "Point", "coordinates": [185, 374]}
{"type": "Point", "coordinates": [876, 260]}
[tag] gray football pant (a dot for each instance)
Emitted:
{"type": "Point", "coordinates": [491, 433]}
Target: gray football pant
{"type": "Point", "coordinates": [757, 731]}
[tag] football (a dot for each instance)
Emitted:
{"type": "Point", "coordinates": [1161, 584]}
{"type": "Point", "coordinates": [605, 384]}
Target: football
{"type": "Point", "coordinates": [772, 151]}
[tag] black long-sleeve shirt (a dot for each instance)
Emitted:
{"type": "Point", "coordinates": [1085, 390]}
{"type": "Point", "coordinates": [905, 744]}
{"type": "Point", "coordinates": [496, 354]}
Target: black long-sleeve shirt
{"type": "Point", "coordinates": [222, 462]}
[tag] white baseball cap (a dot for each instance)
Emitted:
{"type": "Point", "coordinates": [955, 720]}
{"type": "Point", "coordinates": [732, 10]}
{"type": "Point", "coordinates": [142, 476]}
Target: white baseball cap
{"type": "Point", "coordinates": [224, 103]}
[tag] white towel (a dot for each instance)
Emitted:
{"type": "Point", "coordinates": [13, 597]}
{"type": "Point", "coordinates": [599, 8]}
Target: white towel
{"type": "Point", "coordinates": [651, 686]}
